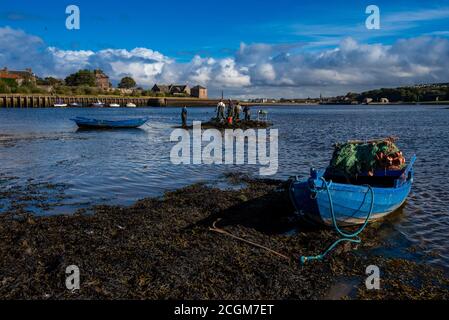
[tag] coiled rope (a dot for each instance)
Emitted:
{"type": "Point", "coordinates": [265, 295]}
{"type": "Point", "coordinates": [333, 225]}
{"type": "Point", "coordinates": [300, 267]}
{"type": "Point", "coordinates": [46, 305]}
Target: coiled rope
{"type": "Point", "coordinates": [345, 237]}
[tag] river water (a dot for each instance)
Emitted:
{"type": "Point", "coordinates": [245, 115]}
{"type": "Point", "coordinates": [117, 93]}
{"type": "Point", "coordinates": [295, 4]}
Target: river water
{"type": "Point", "coordinates": [48, 167]}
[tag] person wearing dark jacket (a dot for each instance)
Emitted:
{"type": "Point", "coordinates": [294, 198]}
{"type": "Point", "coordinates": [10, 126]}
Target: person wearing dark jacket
{"type": "Point", "coordinates": [184, 117]}
{"type": "Point", "coordinates": [247, 112]}
{"type": "Point", "coordinates": [230, 111]}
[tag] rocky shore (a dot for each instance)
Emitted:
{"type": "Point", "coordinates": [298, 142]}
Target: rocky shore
{"type": "Point", "coordinates": [164, 248]}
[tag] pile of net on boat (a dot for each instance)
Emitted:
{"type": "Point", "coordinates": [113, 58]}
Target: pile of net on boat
{"type": "Point", "coordinates": [359, 157]}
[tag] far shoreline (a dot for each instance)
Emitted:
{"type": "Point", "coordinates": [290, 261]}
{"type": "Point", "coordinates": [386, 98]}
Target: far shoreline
{"type": "Point", "coordinates": [48, 101]}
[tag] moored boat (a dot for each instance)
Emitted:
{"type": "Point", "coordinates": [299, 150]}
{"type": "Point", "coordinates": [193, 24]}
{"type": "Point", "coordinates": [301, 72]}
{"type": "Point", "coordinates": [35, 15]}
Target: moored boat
{"type": "Point", "coordinates": [98, 104]}
{"type": "Point", "coordinates": [364, 182]}
{"type": "Point", "coordinates": [60, 104]}
{"type": "Point", "coordinates": [328, 202]}
{"type": "Point", "coordinates": [75, 105]}
{"type": "Point", "coordinates": [114, 105]}
{"type": "Point", "coordinates": [90, 123]}
{"type": "Point", "coordinates": [131, 105]}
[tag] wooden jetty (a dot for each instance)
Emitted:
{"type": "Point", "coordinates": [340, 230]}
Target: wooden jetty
{"type": "Point", "coordinates": [48, 101]}
{"type": "Point", "coordinates": [41, 101]}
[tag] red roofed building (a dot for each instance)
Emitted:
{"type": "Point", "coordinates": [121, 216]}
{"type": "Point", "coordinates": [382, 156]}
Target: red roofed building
{"type": "Point", "coordinates": [18, 76]}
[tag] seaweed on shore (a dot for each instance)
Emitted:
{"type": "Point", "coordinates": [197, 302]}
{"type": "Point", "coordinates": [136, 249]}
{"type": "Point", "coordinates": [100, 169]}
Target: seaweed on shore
{"type": "Point", "coordinates": [24, 198]}
{"type": "Point", "coordinates": [162, 248]}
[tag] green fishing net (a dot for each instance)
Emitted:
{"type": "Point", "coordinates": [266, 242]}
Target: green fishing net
{"type": "Point", "coordinates": [353, 158]}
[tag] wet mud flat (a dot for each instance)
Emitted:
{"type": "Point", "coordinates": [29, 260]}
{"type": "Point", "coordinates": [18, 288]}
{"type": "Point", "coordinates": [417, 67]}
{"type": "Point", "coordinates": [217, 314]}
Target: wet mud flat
{"type": "Point", "coordinates": [19, 198]}
{"type": "Point", "coordinates": [9, 140]}
{"type": "Point", "coordinates": [164, 248]}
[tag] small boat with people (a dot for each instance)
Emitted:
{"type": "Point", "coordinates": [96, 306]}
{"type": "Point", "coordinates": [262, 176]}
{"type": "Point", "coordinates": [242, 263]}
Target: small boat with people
{"type": "Point", "coordinates": [365, 182]}
{"type": "Point", "coordinates": [131, 105]}
{"type": "Point", "coordinates": [91, 123]}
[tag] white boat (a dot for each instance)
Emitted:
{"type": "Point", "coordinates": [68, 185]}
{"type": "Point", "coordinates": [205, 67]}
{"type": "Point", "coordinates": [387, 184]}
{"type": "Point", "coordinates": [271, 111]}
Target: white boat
{"type": "Point", "coordinates": [131, 105]}
{"type": "Point", "coordinates": [76, 105]}
{"type": "Point", "coordinates": [114, 105]}
{"type": "Point", "coordinates": [60, 104]}
{"type": "Point", "coordinates": [98, 104]}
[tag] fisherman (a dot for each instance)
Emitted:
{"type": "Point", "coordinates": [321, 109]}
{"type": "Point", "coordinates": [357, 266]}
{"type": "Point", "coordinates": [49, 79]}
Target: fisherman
{"type": "Point", "coordinates": [230, 111]}
{"type": "Point", "coordinates": [220, 110]}
{"type": "Point", "coordinates": [237, 110]}
{"type": "Point", "coordinates": [184, 117]}
{"type": "Point", "coordinates": [247, 112]}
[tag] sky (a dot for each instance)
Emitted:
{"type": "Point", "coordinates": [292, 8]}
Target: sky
{"type": "Point", "coordinates": [247, 48]}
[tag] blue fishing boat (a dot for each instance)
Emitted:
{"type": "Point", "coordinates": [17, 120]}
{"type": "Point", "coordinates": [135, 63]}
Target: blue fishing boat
{"type": "Point", "coordinates": [89, 123]}
{"type": "Point", "coordinates": [335, 203]}
{"type": "Point", "coordinates": [340, 204]}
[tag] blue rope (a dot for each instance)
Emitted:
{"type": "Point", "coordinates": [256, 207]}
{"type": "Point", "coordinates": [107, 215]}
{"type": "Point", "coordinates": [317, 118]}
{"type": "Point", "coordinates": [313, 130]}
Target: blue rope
{"type": "Point", "coordinates": [345, 237]}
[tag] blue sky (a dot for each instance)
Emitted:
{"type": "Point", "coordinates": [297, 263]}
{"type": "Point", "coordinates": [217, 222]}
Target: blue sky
{"type": "Point", "coordinates": [184, 30]}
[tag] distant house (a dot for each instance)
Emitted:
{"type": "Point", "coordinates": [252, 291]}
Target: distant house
{"type": "Point", "coordinates": [125, 91]}
{"type": "Point", "coordinates": [161, 88]}
{"type": "Point", "coordinates": [172, 89]}
{"type": "Point", "coordinates": [178, 90]}
{"type": "Point", "coordinates": [101, 80]}
{"type": "Point", "coordinates": [198, 92]}
{"type": "Point", "coordinates": [19, 76]}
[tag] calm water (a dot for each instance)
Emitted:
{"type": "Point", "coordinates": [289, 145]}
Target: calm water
{"type": "Point", "coordinates": [44, 155]}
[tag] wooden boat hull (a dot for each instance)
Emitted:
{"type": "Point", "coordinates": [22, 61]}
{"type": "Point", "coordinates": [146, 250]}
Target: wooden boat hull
{"type": "Point", "coordinates": [88, 123]}
{"type": "Point", "coordinates": [351, 203]}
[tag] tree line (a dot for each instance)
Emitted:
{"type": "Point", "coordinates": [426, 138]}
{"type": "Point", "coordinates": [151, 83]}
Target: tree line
{"type": "Point", "coordinates": [82, 82]}
{"type": "Point", "coordinates": [422, 93]}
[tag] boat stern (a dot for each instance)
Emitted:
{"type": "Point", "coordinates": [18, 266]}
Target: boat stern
{"type": "Point", "coordinates": [303, 199]}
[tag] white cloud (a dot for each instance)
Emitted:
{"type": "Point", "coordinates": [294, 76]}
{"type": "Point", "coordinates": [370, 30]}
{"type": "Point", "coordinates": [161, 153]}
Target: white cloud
{"type": "Point", "coordinates": [265, 71]}
{"type": "Point", "coordinates": [19, 49]}
{"type": "Point", "coordinates": [418, 15]}
{"type": "Point", "coordinates": [254, 70]}
{"type": "Point", "coordinates": [228, 74]}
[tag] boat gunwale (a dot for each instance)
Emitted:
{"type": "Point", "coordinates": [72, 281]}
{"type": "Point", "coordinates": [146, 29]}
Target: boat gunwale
{"type": "Point", "coordinates": [98, 123]}
{"type": "Point", "coordinates": [359, 188]}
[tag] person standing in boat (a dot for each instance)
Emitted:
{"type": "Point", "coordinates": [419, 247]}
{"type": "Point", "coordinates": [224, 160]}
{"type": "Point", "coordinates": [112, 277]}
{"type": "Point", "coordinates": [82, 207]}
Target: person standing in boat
{"type": "Point", "coordinates": [237, 110]}
{"type": "Point", "coordinates": [247, 112]}
{"type": "Point", "coordinates": [184, 117]}
{"type": "Point", "coordinates": [220, 110]}
{"type": "Point", "coordinates": [230, 111]}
